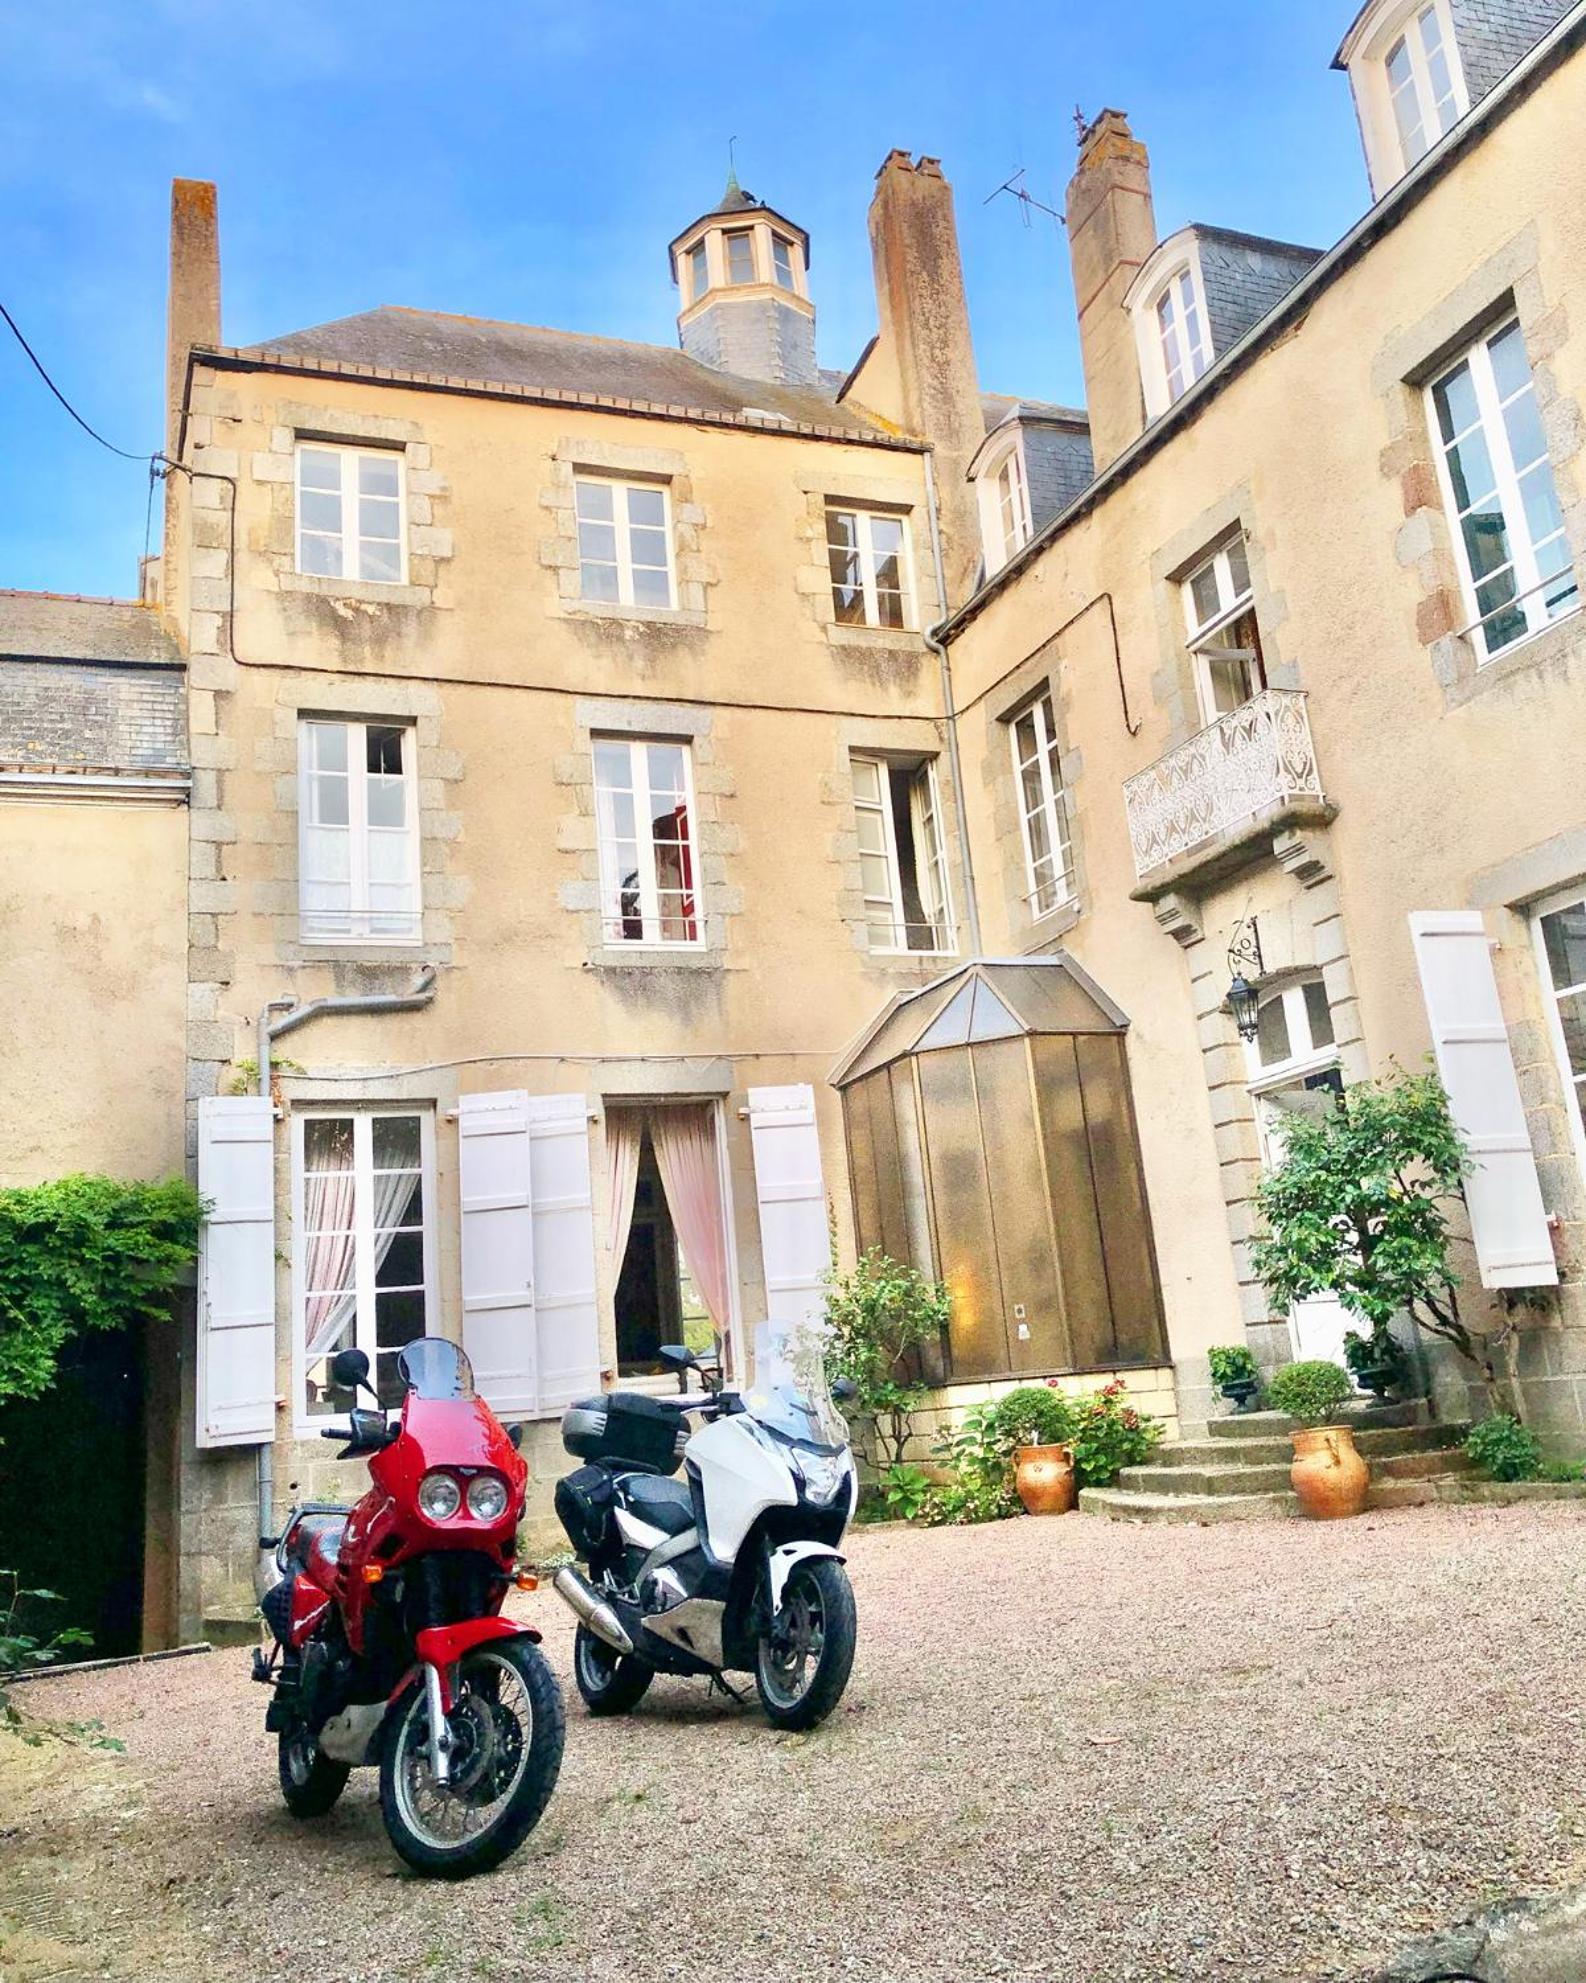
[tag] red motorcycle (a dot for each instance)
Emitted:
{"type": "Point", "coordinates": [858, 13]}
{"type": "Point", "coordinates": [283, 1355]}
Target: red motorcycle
{"type": "Point", "coordinates": [389, 1646]}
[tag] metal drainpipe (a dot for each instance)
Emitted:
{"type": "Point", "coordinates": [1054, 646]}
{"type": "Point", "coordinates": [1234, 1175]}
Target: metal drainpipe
{"type": "Point", "coordinates": [954, 763]}
{"type": "Point", "coordinates": [293, 1015]}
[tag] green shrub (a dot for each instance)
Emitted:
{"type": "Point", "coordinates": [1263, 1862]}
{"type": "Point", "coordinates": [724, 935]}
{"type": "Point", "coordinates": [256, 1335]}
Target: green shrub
{"type": "Point", "coordinates": [1233, 1365]}
{"type": "Point", "coordinates": [979, 1452]}
{"type": "Point", "coordinates": [1561, 1470]}
{"type": "Point", "coordinates": [1381, 1350]}
{"type": "Point", "coordinates": [1034, 1415]}
{"type": "Point", "coordinates": [906, 1492]}
{"type": "Point", "coordinates": [1110, 1433]}
{"type": "Point", "coordinates": [1504, 1449]}
{"type": "Point", "coordinates": [1311, 1392]}
{"type": "Point", "coordinates": [23, 1651]}
{"type": "Point", "coordinates": [880, 1315]}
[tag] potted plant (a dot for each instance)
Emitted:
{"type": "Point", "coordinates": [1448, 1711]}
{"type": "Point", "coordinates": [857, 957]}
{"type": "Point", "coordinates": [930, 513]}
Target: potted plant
{"type": "Point", "coordinates": [1328, 1473]}
{"type": "Point", "coordinates": [1376, 1362]}
{"type": "Point", "coordinates": [880, 1316]}
{"type": "Point", "coordinates": [1235, 1375]}
{"type": "Point", "coordinates": [1038, 1422]}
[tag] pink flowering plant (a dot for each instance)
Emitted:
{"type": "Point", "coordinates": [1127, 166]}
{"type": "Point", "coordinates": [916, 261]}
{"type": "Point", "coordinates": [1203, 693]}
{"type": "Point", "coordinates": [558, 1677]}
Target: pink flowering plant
{"type": "Point", "coordinates": [1110, 1433]}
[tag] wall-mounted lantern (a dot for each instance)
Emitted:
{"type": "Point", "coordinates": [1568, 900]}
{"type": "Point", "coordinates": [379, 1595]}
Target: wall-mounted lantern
{"type": "Point", "coordinates": [1246, 964]}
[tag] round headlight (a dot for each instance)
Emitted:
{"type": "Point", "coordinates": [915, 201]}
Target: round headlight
{"type": "Point", "coordinates": [439, 1496]}
{"type": "Point", "coordinates": [487, 1498]}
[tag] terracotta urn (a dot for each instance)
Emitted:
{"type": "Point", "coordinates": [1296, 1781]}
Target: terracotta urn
{"type": "Point", "coordinates": [1328, 1473]}
{"type": "Point", "coordinates": [1044, 1478]}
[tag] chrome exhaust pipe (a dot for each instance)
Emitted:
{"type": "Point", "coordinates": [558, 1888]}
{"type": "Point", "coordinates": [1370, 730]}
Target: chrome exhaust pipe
{"type": "Point", "coordinates": [590, 1608]}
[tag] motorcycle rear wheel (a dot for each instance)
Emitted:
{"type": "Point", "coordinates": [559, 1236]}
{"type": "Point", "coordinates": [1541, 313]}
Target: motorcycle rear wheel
{"type": "Point", "coordinates": [310, 1782]}
{"type": "Point", "coordinates": [803, 1658]}
{"type": "Point", "coordinates": [610, 1682]}
{"type": "Point", "coordinates": [507, 1725]}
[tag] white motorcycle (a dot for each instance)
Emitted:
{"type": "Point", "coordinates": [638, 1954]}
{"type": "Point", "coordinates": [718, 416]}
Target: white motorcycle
{"type": "Point", "coordinates": [735, 1568]}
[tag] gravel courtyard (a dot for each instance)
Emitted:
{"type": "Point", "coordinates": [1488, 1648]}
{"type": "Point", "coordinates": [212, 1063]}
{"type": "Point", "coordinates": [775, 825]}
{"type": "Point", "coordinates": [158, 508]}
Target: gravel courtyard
{"type": "Point", "coordinates": [1071, 1749]}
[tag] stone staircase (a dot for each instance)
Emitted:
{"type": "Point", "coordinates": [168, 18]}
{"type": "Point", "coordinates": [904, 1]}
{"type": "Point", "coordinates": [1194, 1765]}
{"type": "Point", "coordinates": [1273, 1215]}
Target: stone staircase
{"type": "Point", "coordinates": [1240, 1471]}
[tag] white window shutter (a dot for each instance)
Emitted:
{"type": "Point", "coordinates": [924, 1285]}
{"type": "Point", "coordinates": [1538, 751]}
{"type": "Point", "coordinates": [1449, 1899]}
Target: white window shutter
{"type": "Point", "coordinates": [493, 1175]}
{"type": "Point", "coordinates": [795, 1244]}
{"type": "Point", "coordinates": [567, 1313]}
{"type": "Point", "coordinates": [1507, 1217]}
{"type": "Point", "coordinates": [236, 1271]}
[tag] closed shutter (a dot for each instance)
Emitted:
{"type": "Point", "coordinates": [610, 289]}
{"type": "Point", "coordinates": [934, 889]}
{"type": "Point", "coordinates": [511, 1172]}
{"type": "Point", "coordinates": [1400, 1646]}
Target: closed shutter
{"type": "Point", "coordinates": [566, 1312]}
{"type": "Point", "coordinates": [795, 1243]}
{"type": "Point", "coordinates": [493, 1171]}
{"type": "Point", "coordinates": [1507, 1217]}
{"type": "Point", "coordinates": [236, 1271]}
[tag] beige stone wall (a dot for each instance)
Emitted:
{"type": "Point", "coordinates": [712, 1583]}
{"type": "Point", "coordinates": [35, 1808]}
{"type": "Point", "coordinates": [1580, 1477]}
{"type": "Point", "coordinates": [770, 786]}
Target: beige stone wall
{"type": "Point", "coordinates": [1453, 787]}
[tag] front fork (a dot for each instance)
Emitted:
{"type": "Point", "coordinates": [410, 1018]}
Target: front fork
{"type": "Point", "coordinates": [440, 1728]}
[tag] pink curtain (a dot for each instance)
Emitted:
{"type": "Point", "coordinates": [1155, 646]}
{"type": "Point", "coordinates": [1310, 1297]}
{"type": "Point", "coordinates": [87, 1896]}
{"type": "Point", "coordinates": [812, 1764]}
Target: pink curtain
{"type": "Point", "coordinates": [328, 1202]}
{"type": "Point", "coordinates": [624, 1131]}
{"type": "Point", "coordinates": [685, 1154]}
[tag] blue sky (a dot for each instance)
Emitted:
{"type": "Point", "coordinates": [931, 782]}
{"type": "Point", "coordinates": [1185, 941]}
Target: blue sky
{"type": "Point", "coordinates": [530, 161]}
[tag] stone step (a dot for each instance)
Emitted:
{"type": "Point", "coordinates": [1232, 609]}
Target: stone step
{"type": "Point", "coordinates": [1272, 1477]}
{"type": "Point", "coordinates": [1247, 1425]}
{"type": "Point", "coordinates": [1121, 1506]}
{"type": "Point", "coordinates": [1266, 1448]}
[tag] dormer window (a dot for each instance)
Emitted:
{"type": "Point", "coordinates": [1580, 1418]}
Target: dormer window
{"type": "Point", "coordinates": [1181, 328]}
{"type": "Point", "coordinates": [782, 261]}
{"type": "Point", "coordinates": [1421, 84]}
{"type": "Point", "coordinates": [740, 255]}
{"type": "Point", "coordinates": [1404, 67]}
{"type": "Point", "coordinates": [1004, 491]}
{"type": "Point", "coordinates": [1172, 326]}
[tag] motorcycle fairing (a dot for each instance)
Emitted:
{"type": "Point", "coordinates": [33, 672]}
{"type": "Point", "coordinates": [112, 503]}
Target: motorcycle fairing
{"type": "Point", "coordinates": [741, 1482]}
{"type": "Point", "coordinates": [309, 1605]}
{"type": "Point", "coordinates": [783, 1559]}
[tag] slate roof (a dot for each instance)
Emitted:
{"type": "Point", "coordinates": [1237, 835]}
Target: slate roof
{"type": "Point", "coordinates": [1000, 406]}
{"type": "Point", "coordinates": [61, 626]}
{"type": "Point", "coordinates": [395, 339]}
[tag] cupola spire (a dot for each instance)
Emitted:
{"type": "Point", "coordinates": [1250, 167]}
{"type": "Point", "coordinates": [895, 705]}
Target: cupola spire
{"type": "Point", "coordinates": [743, 270]}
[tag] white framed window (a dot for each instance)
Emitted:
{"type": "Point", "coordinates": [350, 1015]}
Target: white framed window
{"type": "Point", "coordinates": [358, 843]}
{"type": "Point", "coordinates": [1498, 483]}
{"type": "Point", "coordinates": [363, 1246]}
{"type": "Point", "coordinates": [698, 271]}
{"type": "Point", "coordinates": [902, 856]}
{"type": "Point", "coordinates": [871, 565]}
{"type": "Point", "coordinates": [1559, 925]}
{"type": "Point", "coordinates": [782, 261]}
{"type": "Point", "coordinates": [1182, 333]}
{"type": "Point", "coordinates": [1043, 809]}
{"type": "Point", "coordinates": [738, 244]}
{"type": "Point", "coordinates": [644, 809]}
{"type": "Point", "coordinates": [1294, 1033]}
{"type": "Point", "coordinates": [624, 541]}
{"type": "Point", "coordinates": [1224, 639]}
{"type": "Point", "coordinates": [350, 513]}
{"type": "Point", "coordinates": [1425, 86]}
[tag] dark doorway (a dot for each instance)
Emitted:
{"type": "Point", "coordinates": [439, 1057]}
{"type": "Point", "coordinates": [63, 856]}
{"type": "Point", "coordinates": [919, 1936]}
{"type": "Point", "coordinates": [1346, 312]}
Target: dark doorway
{"type": "Point", "coordinates": [656, 1301]}
{"type": "Point", "coordinates": [71, 1492]}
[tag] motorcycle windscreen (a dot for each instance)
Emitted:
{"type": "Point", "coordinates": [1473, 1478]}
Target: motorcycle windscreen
{"type": "Point", "coordinates": [790, 1393]}
{"type": "Point", "coordinates": [431, 1367]}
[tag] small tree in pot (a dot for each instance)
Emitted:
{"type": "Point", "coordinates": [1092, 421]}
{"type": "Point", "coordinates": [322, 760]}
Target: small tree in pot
{"type": "Point", "coordinates": [881, 1314]}
{"type": "Point", "coordinates": [1329, 1475]}
{"type": "Point", "coordinates": [1235, 1374]}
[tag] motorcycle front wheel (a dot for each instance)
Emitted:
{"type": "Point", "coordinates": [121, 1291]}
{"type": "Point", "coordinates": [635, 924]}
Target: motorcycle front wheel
{"type": "Point", "coordinates": [803, 1658]}
{"type": "Point", "coordinates": [310, 1782]}
{"type": "Point", "coordinates": [610, 1682]}
{"type": "Point", "coordinates": [506, 1725]}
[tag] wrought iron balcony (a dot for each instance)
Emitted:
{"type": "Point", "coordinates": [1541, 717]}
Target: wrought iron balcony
{"type": "Point", "coordinates": [1241, 774]}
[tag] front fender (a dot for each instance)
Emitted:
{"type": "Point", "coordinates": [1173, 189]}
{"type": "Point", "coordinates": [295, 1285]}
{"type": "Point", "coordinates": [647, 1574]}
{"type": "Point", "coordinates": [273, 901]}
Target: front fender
{"type": "Point", "coordinates": [441, 1646]}
{"type": "Point", "coordinates": [783, 1559]}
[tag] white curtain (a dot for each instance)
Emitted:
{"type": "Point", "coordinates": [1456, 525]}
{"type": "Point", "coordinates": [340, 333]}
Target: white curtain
{"type": "Point", "coordinates": [328, 1202]}
{"type": "Point", "coordinates": [685, 1154]}
{"type": "Point", "coordinates": [624, 1131]}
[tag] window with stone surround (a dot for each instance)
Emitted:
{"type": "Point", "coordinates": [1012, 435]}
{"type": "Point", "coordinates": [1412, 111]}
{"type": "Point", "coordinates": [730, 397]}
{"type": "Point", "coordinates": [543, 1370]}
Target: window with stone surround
{"type": "Point", "coordinates": [644, 809]}
{"type": "Point", "coordinates": [1043, 809]}
{"type": "Point", "coordinates": [363, 1191]}
{"type": "Point", "coordinates": [624, 542]}
{"type": "Point", "coordinates": [902, 855]}
{"type": "Point", "coordinates": [358, 865]}
{"type": "Point", "coordinates": [1560, 926]}
{"type": "Point", "coordinates": [350, 513]}
{"type": "Point", "coordinates": [871, 567]}
{"type": "Point", "coordinates": [1224, 638]}
{"type": "Point", "coordinates": [1497, 480]}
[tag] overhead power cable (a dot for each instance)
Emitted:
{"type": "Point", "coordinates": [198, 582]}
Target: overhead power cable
{"type": "Point", "coordinates": [38, 366]}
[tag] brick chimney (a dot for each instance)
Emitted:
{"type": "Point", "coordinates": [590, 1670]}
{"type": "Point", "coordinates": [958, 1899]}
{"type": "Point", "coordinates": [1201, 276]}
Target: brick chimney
{"type": "Point", "coordinates": [1111, 232]}
{"type": "Point", "coordinates": [192, 313]}
{"type": "Point", "coordinates": [924, 352]}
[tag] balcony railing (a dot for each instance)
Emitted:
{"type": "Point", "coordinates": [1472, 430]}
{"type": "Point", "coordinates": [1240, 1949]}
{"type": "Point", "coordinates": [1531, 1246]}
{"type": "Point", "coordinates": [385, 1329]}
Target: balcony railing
{"type": "Point", "coordinates": [1246, 766]}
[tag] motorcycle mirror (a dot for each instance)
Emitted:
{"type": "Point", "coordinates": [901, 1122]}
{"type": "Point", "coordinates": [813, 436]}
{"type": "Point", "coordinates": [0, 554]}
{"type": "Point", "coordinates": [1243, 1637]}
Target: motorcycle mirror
{"type": "Point", "coordinates": [515, 1434]}
{"type": "Point", "coordinates": [349, 1369]}
{"type": "Point", "coordinates": [676, 1356]}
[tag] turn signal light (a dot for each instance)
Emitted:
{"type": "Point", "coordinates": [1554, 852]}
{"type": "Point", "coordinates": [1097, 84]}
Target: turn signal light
{"type": "Point", "coordinates": [526, 1580]}
{"type": "Point", "coordinates": [373, 1573]}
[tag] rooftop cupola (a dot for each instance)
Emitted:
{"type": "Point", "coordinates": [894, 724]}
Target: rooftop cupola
{"type": "Point", "coordinates": [744, 275]}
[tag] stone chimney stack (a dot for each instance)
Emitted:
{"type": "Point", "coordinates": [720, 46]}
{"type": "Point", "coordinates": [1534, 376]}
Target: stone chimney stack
{"type": "Point", "coordinates": [924, 350]}
{"type": "Point", "coordinates": [193, 307]}
{"type": "Point", "coordinates": [1111, 231]}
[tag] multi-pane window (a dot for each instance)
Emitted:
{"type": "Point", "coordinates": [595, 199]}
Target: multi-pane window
{"type": "Point", "coordinates": [782, 261]}
{"type": "Point", "coordinates": [1561, 941]}
{"type": "Point", "coordinates": [1043, 811]}
{"type": "Point", "coordinates": [349, 513]}
{"type": "Point", "coordinates": [698, 271]}
{"type": "Point", "coordinates": [1186, 351]}
{"type": "Point", "coordinates": [358, 846]}
{"type": "Point", "coordinates": [1013, 503]}
{"type": "Point", "coordinates": [739, 245]}
{"type": "Point", "coordinates": [364, 1244]}
{"type": "Point", "coordinates": [1294, 1024]}
{"type": "Point", "coordinates": [902, 856]}
{"type": "Point", "coordinates": [1499, 483]}
{"type": "Point", "coordinates": [1423, 86]}
{"type": "Point", "coordinates": [624, 542]}
{"type": "Point", "coordinates": [1223, 636]}
{"type": "Point", "coordinates": [868, 553]}
{"type": "Point", "coordinates": [645, 827]}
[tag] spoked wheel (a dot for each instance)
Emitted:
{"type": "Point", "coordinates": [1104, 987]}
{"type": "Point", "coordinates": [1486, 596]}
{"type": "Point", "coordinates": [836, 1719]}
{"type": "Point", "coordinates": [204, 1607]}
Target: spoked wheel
{"type": "Point", "coordinates": [310, 1782]}
{"type": "Point", "coordinates": [506, 1726]}
{"type": "Point", "coordinates": [610, 1682]}
{"type": "Point", "coordinates": [803, 1659]}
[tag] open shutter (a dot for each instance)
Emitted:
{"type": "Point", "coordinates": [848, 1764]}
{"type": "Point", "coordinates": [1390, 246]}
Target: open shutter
{"type": "Point", "coordinates": [566, 1312]}
{"type": "Point", "coordinates": [498, 1249]}
{"type": "Point", "coordinates": [236, 1271]}
{"type": "Point", "coordinates": [1507, 1217]}
{"type": "Point", "coordinates": [795, 1244]}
